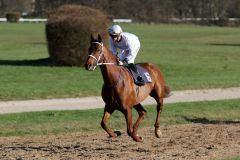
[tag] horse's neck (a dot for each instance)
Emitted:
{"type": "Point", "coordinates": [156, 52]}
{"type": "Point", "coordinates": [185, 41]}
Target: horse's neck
{"type": "Point", "coordinates": [110, 72]}
{"type": "Point", "coordinates": [108, 56]}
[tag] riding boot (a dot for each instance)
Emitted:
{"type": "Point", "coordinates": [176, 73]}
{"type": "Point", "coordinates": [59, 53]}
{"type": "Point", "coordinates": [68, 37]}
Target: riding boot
{"type": "Point", "coordinates": [133, 67]}
{"type": "Point", "coordinates": [139, 77]}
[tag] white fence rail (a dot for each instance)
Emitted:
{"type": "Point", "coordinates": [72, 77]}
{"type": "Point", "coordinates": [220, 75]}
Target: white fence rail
{"type": "Point", "coordinates": [122, 20]}
{"type": "Point", "coordinates": [36, 20]}
{"type": "Point", "coordinates": [3, 20]}
{"type": "Point", "coordinates": [202, 19]}
{"type": "Point", "coordinates": [30, 20]}
{"type": "Point", "coordinates": [42, 20]}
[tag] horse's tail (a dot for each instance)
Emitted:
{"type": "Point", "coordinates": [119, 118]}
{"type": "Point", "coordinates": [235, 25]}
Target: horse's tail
{"type": "Point", "coordinates": [167, 91]}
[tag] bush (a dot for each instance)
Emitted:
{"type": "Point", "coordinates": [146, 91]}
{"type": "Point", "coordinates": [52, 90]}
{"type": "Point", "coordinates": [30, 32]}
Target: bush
{"type": "Point", "coordinates": [68, 33]}
{"type": "Point", "coordinates": [13, 16]}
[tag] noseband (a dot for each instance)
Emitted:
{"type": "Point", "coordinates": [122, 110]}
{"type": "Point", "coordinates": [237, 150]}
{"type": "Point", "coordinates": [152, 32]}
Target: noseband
{"type": "Point", "coordinates": [101, 53]}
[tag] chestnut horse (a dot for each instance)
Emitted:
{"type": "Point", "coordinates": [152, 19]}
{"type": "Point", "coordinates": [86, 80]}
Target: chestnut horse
{"type": "Point", "coordinates": [119, 91]}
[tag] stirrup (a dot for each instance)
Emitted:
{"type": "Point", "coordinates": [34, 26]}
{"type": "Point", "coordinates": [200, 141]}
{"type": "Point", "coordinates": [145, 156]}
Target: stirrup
{"type": "Point", "coordinates": [140, 81]}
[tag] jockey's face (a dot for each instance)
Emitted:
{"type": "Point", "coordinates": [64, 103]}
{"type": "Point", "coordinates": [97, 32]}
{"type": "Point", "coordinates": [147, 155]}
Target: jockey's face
{"type": "Point", "coordinates": [116, 37]}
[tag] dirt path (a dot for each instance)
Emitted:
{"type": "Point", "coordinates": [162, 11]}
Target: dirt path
{"type": "Point", "coordinates": [96, 102]}
{"type": "Point", "coordinates": [178, 142]}
{"type": "Point", "coordinates": [181, 142]}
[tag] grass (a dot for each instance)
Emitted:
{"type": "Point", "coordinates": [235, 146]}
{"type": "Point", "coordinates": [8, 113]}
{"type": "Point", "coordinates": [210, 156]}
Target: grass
{"type": "Point", "coordinates": [56, 122]}
{"type": "Point", "coordinates": [191, 57]}
{"type": "Point", "coordinates": [236, 158]}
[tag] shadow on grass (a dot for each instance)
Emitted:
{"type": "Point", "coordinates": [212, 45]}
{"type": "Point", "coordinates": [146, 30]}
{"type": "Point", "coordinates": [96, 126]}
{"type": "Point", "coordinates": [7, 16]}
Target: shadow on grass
{"type": "Point", "coordinates": [207, 121]}
{"type": "Point", "coordinates": [37, 62]}
{"type": "Point", "coordinates": [38, 43]}
{"type": "Point", "coordinates": [224, 44]}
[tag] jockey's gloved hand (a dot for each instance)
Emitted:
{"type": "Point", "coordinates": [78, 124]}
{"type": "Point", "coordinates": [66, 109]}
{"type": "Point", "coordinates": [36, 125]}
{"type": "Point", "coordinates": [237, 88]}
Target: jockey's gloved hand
{"type": "Point", "coordinates": [120, 63]}
{"type": "Point", "coordinates": [125, 60]}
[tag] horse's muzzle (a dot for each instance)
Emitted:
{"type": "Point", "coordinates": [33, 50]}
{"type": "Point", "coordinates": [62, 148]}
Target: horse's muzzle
{"type": "Point", "coordinates": [90, 67]}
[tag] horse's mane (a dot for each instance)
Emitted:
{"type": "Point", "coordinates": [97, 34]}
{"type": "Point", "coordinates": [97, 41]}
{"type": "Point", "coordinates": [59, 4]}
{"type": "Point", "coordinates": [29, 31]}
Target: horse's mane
{"type": "Point", "coordinates": [110, 54]}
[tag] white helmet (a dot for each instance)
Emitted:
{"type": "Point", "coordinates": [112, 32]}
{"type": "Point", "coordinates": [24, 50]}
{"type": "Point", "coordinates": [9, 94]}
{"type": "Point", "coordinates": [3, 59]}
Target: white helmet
{"type": "Point", "coordinates": [115, 30]}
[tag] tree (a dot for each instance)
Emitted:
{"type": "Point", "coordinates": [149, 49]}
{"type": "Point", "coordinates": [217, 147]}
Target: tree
{"type": "Point", "coordinates": [15, 6]}
{"type": "Point", "coordinates": [139, 10]}
{"type": "Point", "coordinates": [233, 9]}
{"type": "Point", "coordinates": [2, 6]}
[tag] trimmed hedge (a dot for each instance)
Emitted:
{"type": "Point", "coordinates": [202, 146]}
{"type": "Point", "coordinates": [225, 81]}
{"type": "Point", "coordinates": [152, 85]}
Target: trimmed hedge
{"type": "Point", "coordinates": [68, 33]}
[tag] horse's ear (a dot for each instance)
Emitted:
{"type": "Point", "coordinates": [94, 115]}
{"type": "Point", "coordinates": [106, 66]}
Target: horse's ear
{"type": "Point", "coordinates": [92, 39]}
{"type": "Point", "coordinates": [99, 38]}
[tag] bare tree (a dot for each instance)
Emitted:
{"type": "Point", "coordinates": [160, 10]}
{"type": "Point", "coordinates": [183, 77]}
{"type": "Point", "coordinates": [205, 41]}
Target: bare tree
{"type": "Point", "coordinates": [2, 6]}
{"type": "Point", "coordinates": [234, 9]}
{"type": "Point", "coordinates": [140, 10]}
{"type": "Point", "coordinates": [14, 6]}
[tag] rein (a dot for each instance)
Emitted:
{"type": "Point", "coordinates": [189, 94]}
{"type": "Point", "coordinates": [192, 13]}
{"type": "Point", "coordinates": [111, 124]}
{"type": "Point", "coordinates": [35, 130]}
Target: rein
{"type": "Point", "coordinates": [99, 64]}
{"type": "Point", "coordinates": [101, 53]}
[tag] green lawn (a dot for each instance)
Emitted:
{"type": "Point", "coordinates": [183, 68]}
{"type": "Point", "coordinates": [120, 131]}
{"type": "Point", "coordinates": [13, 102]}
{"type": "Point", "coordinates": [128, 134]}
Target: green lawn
{"type": "Point", "coordinates": [191, 57]}
{"type": "Point", "coordinates": [237, 158]}
{"type": "Point", "coordinates": [56, 122]}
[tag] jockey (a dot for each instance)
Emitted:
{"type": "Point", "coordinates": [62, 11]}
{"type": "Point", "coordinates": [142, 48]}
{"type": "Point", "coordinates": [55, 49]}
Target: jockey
{"type": "Point", "coordinates": [128, 44]}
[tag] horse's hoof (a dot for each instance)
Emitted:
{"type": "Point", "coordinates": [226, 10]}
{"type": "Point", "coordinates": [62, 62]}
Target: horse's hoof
{"type": "Point", "coordinates": [137, 138]}
{"type": "Point", "coordinates": [118, 133]}
{"type": "Point", "coordinates": [113, 135]}
{"type": "Point", "coordinates": [158, 133]}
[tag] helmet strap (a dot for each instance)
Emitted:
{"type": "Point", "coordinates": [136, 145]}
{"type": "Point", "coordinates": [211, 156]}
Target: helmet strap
{"type": "Point", "coordinates": [119, 38]}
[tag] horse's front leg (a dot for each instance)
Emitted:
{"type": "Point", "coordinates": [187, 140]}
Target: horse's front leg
{"type": "Point", "coordinates": [128, 116]}
{"type": "Point", "coordinates": [142, 113]}
{"type": "Point", "coordinates": [107, 113]}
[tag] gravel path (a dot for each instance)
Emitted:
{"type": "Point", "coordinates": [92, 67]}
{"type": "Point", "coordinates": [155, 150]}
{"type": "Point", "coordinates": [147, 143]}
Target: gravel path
{"type": "Point", "coordinates": [96, 102]}
{"type": "Point", "coordinates": [196, 141]}
{"type": "Point", "coordinates": [178, 142]}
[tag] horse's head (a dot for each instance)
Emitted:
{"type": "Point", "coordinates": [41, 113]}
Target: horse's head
{"type": "Point", "coordinates": [95, 53]}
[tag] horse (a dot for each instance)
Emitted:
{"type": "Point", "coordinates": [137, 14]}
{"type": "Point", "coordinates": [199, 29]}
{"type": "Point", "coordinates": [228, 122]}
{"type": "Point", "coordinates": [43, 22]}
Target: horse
{"type": "Point", "coordinates": [119, 92]}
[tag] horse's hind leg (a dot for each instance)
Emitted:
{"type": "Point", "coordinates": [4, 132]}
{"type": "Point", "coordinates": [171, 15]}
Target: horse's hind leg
{"type": "Point", "coordinates": [159, 110]}
{"type": "Point", "coordinates": [141, 112]}
{"type": "Point", "coordinates": [106, 116]}
{"type": "Point", "coordinates": [157, 122]}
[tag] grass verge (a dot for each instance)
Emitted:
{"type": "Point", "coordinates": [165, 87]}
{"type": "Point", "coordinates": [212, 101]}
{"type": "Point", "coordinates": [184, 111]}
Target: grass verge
{"type": "Point", "coordinates": [57, 122]}
{"type": "Point", "coordinates": [191, 57]}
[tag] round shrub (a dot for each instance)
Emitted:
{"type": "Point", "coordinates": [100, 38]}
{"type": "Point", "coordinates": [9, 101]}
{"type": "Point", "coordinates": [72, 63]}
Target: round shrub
{"type": "Point", "coordinates": [68, 32]}
{"type": "Point", "coordinates": [13, 16]}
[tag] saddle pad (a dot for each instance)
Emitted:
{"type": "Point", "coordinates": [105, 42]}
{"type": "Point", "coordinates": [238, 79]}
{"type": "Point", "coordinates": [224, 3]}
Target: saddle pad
{"type": "Point", "coordinates": [143, 73]}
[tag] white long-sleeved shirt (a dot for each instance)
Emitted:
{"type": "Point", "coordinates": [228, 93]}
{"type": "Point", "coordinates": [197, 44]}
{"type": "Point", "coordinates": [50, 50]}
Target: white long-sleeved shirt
{"type": "Point", "coordinates": [129, 47]}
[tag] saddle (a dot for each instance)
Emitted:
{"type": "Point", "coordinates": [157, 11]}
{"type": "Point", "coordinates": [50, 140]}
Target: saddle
{"type": "Point", "coordinates": [146, 78]}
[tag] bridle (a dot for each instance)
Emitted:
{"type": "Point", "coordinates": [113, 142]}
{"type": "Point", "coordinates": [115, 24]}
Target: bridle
{"type": "Point", "coordinates": [98, 59]}
{"type": "Point", "coordinates": [99, 64]}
